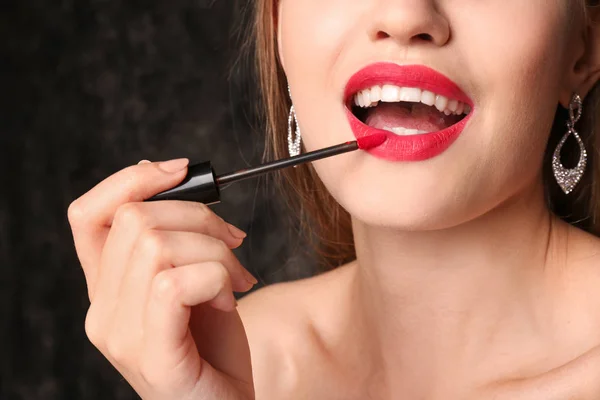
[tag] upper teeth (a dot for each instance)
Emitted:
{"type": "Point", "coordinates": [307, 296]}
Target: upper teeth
{"type": "Point", "coordinates": [393, 94]}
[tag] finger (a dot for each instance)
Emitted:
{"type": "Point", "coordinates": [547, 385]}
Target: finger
{"type": "Point", "coordinates": [158, 251]}
{"type": "Point", "coordinates": [131, 219]}
{"type": "Point", "coordinates": [173, 292]}
{"type": "Point", "coordinates": [91, 215]}
{"type": "Point", "coordinates": [132, 184]}
{"type": "Point", "coordinates": [182, 248]}
{"type": "Point", "coordinates": [176, 216]}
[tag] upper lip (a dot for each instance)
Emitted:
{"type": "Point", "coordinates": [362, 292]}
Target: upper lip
{"type": "Point", "coordinates": [417, 76]}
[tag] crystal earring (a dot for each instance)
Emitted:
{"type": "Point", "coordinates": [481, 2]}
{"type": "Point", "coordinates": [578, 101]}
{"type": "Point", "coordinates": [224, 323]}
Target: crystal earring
{"type": "Point", "coordinates": [293, 142]}
{"type": "Point", "coordinates": [567, 179]}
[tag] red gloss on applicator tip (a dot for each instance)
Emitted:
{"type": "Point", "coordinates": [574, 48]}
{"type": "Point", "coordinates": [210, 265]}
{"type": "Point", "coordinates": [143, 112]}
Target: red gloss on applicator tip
{"type": "Point", "coordinates": [202, 185]}
{"type": "Point", "coordinates": [369, 142]}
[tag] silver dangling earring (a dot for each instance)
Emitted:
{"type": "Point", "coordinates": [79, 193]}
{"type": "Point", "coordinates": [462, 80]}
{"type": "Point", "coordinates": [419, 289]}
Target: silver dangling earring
{"type": "Point", "coordinates": [293, 142]}
{"type": "Point", "coordinates": [567, 179]}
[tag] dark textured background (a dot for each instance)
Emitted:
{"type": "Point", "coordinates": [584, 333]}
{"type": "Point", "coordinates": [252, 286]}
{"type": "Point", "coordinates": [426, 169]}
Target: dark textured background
{"type": "Point", "coordinates": [88, 87]}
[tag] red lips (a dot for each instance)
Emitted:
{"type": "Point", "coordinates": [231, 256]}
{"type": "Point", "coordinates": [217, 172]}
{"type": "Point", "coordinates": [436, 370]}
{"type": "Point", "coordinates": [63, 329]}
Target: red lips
{"type": "Point", "coordinates": [413, 147]}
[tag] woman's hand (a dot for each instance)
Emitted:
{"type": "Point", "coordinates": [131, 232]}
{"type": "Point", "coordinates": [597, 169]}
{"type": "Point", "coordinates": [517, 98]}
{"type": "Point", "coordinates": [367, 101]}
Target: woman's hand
{"type": "Point", "coordinates": [160, 277]}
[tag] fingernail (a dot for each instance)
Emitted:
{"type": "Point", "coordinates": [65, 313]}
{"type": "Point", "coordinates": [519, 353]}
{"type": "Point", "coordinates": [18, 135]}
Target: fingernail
{"type": "Point", "coordinates": [173, 166]}
{"type": "Point", "coordinates": [144, 162]}
{"type": "Point", "coordinates": [236, 232]}
{"type": "Point", "coordinates": [249, 277]}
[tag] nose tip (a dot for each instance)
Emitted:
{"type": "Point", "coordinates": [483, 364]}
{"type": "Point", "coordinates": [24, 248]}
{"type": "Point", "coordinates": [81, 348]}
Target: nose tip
{"type": "Point", "coordinates": [410, 22]}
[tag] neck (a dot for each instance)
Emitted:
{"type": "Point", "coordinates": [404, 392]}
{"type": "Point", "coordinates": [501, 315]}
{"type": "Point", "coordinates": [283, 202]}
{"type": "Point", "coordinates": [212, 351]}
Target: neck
{"type": "Point", "coordinates": [442, 294]}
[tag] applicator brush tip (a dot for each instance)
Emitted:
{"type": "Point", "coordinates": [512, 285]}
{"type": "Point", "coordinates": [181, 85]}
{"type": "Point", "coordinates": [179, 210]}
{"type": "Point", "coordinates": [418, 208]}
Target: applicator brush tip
{"type": "Point", "coordinates": [368, 142]}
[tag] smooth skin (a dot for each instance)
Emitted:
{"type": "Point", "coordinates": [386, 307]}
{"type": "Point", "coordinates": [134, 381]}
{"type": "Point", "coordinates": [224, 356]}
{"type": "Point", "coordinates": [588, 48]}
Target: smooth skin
{"type": "Point", "coordinates": [146, 265]}
{"type": "Point", "coordinates": [160, 278]}
{"type": "Point", "coordinates": [464, 287]}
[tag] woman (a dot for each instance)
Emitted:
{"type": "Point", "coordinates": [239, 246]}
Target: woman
{"type": "Point", "coordinates": [461, 279]}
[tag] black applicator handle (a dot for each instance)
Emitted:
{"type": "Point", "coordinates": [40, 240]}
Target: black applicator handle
{"type": "Point", "coordinates": [199, 185]}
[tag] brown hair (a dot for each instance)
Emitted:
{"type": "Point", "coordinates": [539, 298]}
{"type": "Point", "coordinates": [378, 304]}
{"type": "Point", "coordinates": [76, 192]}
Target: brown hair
{"type": "Point", "coordinates": [322, 220]}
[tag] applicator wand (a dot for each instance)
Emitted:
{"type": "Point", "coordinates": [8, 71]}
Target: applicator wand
{"type": "Point", "coordinates": [201, 185]}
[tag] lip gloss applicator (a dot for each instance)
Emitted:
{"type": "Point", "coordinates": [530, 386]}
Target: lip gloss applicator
{"type": "Point", "coordinates": [202, 185]}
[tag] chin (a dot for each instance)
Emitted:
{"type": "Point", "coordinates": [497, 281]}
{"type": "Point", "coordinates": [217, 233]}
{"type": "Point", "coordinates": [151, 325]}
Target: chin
{"type": "Point", "coordinates": [435, 194]}
{"type": "Point", "coordinates": [417, 210]}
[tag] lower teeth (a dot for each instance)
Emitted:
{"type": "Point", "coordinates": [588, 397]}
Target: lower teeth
{"type": "Point", "coordinates": [405, 132]}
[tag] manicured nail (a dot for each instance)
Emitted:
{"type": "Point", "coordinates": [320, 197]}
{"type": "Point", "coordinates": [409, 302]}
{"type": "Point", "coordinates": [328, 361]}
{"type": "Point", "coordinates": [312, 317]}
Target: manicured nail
{"type": "Point", "coordinates": [144, 162]}
{"type": "Point", "coordinates": [236, 232]}
{"type": "Point", "coordinates": [174, 165]}
{"type": "Point", "coordinates": [249, 277]}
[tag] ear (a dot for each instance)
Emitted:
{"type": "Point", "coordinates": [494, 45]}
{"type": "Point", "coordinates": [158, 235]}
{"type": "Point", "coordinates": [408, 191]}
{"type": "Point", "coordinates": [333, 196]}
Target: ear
{"type": "Point", "coordinates": [585, 72]}
{"type": "Point", "coordinates": [277, 25]}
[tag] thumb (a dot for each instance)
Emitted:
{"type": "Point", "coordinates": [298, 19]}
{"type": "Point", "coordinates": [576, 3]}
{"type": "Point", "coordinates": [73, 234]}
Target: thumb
{"type": "Point", "coordinates": [132, 184]}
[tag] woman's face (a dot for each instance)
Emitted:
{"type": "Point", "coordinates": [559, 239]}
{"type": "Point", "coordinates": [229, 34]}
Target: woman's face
{"type": "Point", "coordinates": [511, 59]}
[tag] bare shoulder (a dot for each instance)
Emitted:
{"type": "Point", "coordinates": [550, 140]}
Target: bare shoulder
{"type": "Point", "coordinates": [579, 302]}
{"type": "Point", "coordinates": [582, 278]}
{"type": "Point", "coordinates": [571, 369]}
{"type": "Point", "coordinates": [577, 380]}
{"type": "Point", "coordinates": [295, 303]}
{"type": "Point", "coordinates": [280, 325]}
{"type": "Point", "coordinates": [583, 298]}
{"type": "Point", "coordinates": [273, 317]}
{"type": "Point", "coordinates": [292, 302]}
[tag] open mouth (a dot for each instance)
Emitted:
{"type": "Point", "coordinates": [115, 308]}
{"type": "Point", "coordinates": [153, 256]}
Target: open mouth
{"type": "Point", "coordinates": [406, 111]}
{"type": "Point", "coordinates": [421, 111]}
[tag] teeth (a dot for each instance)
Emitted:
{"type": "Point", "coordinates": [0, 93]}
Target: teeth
{"type": "Point", "coordinates": [401, 131]}
{"type": "Point", "coordinates": [441, 103]}
{"type": "Point", "coordinates": [375, 94]}
{"type": "Point", "coordinates": [453, 105]}
{"type": "Point", "coordinates": [412, 95]}
{"type": "Point", "coordinates": [392, 94]}
{"type": "Point", "coordinates": [428, 98]}
{"type": "Point", "coordinates": [366, 97]}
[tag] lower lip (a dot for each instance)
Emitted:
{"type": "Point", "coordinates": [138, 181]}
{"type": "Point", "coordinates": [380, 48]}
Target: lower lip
{"type": "Point", "coordinates": [412, 147]}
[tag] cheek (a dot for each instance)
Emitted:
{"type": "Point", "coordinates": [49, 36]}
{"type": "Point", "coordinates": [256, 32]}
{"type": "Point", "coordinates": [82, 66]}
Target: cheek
{"type": "Point", "coordinates": [312, 31]}
{"type": "Point", "coordinates": [515, 55]}
{"type": "Point", "coordinates": [315, 38]}
{"type": "Point", "coordinates": [513, 44]}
